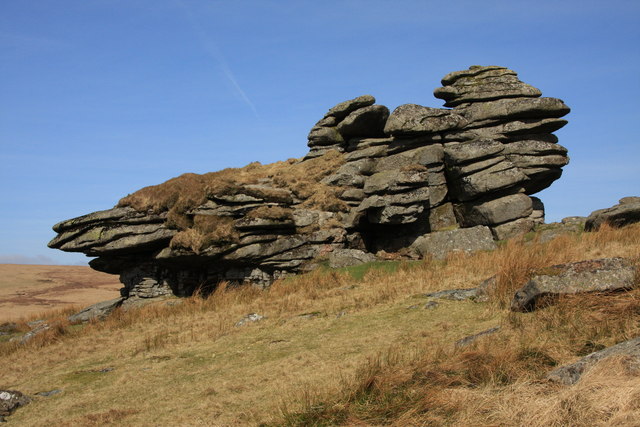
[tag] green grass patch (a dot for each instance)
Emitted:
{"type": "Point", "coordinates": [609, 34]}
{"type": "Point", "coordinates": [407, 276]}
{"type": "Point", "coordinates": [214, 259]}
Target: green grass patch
{"type": "Point", "coordinates": [359, 271]}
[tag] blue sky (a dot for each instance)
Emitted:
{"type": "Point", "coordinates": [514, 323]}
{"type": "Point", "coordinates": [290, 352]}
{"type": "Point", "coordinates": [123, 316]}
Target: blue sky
{"type": "Point", "coordinates": [99, 98]}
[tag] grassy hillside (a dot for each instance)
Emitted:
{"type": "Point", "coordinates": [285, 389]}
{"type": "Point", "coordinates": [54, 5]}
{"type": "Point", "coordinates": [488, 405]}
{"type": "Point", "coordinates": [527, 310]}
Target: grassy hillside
{"type": "Point", "coordinates": [347, 347]}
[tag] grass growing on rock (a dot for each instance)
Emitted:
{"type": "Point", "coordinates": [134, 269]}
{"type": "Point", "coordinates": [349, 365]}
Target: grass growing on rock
{"type": "Point", "coordinates": [190, 190]}
{"type": "Point", "coordinates": [367, 356]}
{"type": "Point", "coordinates": [278, 183]}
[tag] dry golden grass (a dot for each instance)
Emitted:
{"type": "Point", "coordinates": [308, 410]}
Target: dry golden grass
{"type": "Point", "coordinates": [205, 231]}
{"type": "Point", "coordinates": [28, 291]}
{"type": "Point", "coordinates": [271, 212]}
{"type": "Point", "coordinates": [179, 195]}
{"type": "Point", "coordinates": [191, 190]}
{"type": "Point", "coordinates": [335, 350]}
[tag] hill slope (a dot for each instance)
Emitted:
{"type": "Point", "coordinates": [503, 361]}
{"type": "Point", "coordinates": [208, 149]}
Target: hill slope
{"type": "Point", "coordinates": [334, 349]}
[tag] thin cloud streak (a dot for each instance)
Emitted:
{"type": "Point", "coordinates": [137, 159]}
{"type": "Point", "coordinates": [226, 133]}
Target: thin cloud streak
{"type": "Point", "coordinates": [212, 49]}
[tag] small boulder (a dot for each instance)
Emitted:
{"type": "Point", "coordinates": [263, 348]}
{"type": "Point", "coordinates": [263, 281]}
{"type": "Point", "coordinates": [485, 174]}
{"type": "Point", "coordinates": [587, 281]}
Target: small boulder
{"type": "Point", "coordinates": [458, 294]}
{"type": "Point", "coordinates": [10, 400]}
{"type": "Point", "coordinates": [599, 275]}
{"type": "Point", "coordinates": [343, 109]}
{"type": "Point", "coordinates": [37, 330]}
{"type": "Point", "coordinates": [340, 258]}
{"type": "Point", "coordinates": [97, 311]}
{"type": "Point", "coordinates": [249, 318]}
{"type": "Point", "coordinates": [467, 240]}
{"type": "Point", "coordinates": [472, 338]}
{"type": "Point", "coordinates": [571, 374]}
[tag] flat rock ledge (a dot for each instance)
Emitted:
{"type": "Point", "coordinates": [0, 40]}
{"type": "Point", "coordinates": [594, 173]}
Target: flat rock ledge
{"type": "Point", "coordinates": [598, 275]}
{"type": "Point", "coordinates": [571, 374]}
{"type": "Point", "coordinates": [415, 180]}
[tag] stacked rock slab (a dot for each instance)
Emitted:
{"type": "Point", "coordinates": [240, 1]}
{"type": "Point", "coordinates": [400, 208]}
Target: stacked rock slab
{"type": "Point", "coordinates": [381, 181]}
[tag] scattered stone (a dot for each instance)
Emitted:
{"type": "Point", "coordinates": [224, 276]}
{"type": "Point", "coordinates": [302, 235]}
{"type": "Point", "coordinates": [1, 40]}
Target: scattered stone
{"type": "Point", "coordinates": [599, 275]}
{"type": "Point", "coordinates": [249, 318]}
{"type": "Point", "coordinates": [10, 400]}
{"type": "Point", "coordinates": [431, 305]}
{"type": "Point", "coordinates": [571, 374]}
{"type": "Point", "coordinates": [49, 393]}
{"type": "Point", "coordinates": [458, 294]}
{"type": "Point", "coordinates": [472, 338]}
{"type": "Point", "coordinates": [97, 311]}
{"type": "Point", "coordinates": [35, 323]}
{"type": "Point", "coordinates": [310, 315]}
{"type": "Point", "coordinates": [9, 328]}
{"type": "Point", "coordinates": [42, 327]}
{"type": "Point", "coordinates": [626, 212]}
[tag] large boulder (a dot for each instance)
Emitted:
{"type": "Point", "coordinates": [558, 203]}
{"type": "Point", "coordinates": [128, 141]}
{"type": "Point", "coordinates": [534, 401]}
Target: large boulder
{"type": "Point", "coordinates": [599, 275]}
{"type": "Point", "coordinates": [627, 211]}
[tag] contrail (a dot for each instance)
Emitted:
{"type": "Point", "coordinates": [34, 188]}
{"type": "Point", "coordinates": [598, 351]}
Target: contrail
{"type": "Point", "coordinates": [212, 49]}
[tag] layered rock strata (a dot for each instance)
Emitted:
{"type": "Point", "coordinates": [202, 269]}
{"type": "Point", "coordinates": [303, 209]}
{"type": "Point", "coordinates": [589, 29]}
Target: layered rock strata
{"type": "Point", "coordinates": [372, 181]}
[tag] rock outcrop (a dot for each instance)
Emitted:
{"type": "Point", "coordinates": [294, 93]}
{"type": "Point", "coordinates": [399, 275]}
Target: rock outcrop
{"type": "Point", "coordinates": [626, 212]}
{"type": "Point", "coordinates": [372, 181]}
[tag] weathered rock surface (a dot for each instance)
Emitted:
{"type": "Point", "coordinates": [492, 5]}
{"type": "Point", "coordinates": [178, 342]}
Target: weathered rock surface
{"type": "Point", "coordinates": [599, 275]}
{"type": "Point", "coordinates": [458, 294]}
{"type": "Point", "coordinates": [10, 400]}
{"type": "Point", "coordinates": [473, 338]}
{"type": "Point", "coordinates": [627, 211]}
{"type": "Point", "coordinates": [467, 240]}
{"type": "Point", "coordinates": [97, 311]}
{"type": "Point", "coordinates": [571, 374]}
{"type": "Point", "coordinates": [37, 329]}
{"type": "Point", "coordinates": [340, 258]}
{"type": "Point", "coordinates": [432, 180]}
{"type": "Point", "coordinates": [482, 84]}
